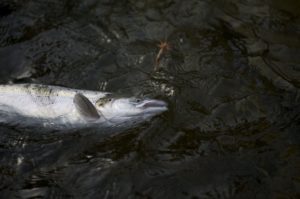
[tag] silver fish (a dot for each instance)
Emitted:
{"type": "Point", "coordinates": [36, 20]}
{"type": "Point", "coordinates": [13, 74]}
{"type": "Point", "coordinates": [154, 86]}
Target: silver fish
{"type": "Point", "coordinates": [55, 106]}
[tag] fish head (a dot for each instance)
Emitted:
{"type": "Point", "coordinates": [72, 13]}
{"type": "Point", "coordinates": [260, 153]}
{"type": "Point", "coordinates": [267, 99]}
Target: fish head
{"type": "Point", "coordinates": [120, 110]}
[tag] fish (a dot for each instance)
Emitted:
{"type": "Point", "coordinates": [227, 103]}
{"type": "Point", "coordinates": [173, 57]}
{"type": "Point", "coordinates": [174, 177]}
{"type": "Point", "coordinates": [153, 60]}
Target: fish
{"type": "Point", "coordinates": [61, 107]}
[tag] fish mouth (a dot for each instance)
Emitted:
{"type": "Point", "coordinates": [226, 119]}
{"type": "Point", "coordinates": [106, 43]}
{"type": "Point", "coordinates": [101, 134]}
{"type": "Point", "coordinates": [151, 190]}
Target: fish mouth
{"type": "Point", "coordinates": [155, 105]}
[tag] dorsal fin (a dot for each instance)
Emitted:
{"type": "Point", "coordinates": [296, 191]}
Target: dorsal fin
{"type": "Point", "coordinates": [85, 107]}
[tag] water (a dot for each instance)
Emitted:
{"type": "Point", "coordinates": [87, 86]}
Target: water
{"type": "Point", "coordinates": [231, 80]}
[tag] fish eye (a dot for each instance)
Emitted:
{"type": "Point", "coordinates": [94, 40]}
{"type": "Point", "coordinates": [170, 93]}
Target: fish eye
{"type": "Point", "coordinates": [135, 100]}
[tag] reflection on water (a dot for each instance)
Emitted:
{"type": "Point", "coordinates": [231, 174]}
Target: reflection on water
{"type": "Point", "coordinates": [231, 78]}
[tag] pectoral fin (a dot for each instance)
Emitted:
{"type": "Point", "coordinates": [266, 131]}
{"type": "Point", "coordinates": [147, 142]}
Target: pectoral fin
{"type": "Point", "coordinates": [85, 107]}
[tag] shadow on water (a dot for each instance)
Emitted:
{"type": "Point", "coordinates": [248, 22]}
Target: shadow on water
{"type": "Point", "coordinates": [231, 79]}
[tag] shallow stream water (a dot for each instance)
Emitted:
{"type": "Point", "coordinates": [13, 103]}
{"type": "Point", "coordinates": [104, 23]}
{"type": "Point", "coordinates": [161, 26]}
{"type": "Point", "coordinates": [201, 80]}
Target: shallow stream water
{"type": "Point", "coordinates": [231, 80]}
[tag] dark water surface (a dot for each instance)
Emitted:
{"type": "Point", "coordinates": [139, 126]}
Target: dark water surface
{"type": "Point", "coordinates": [231, 80]}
